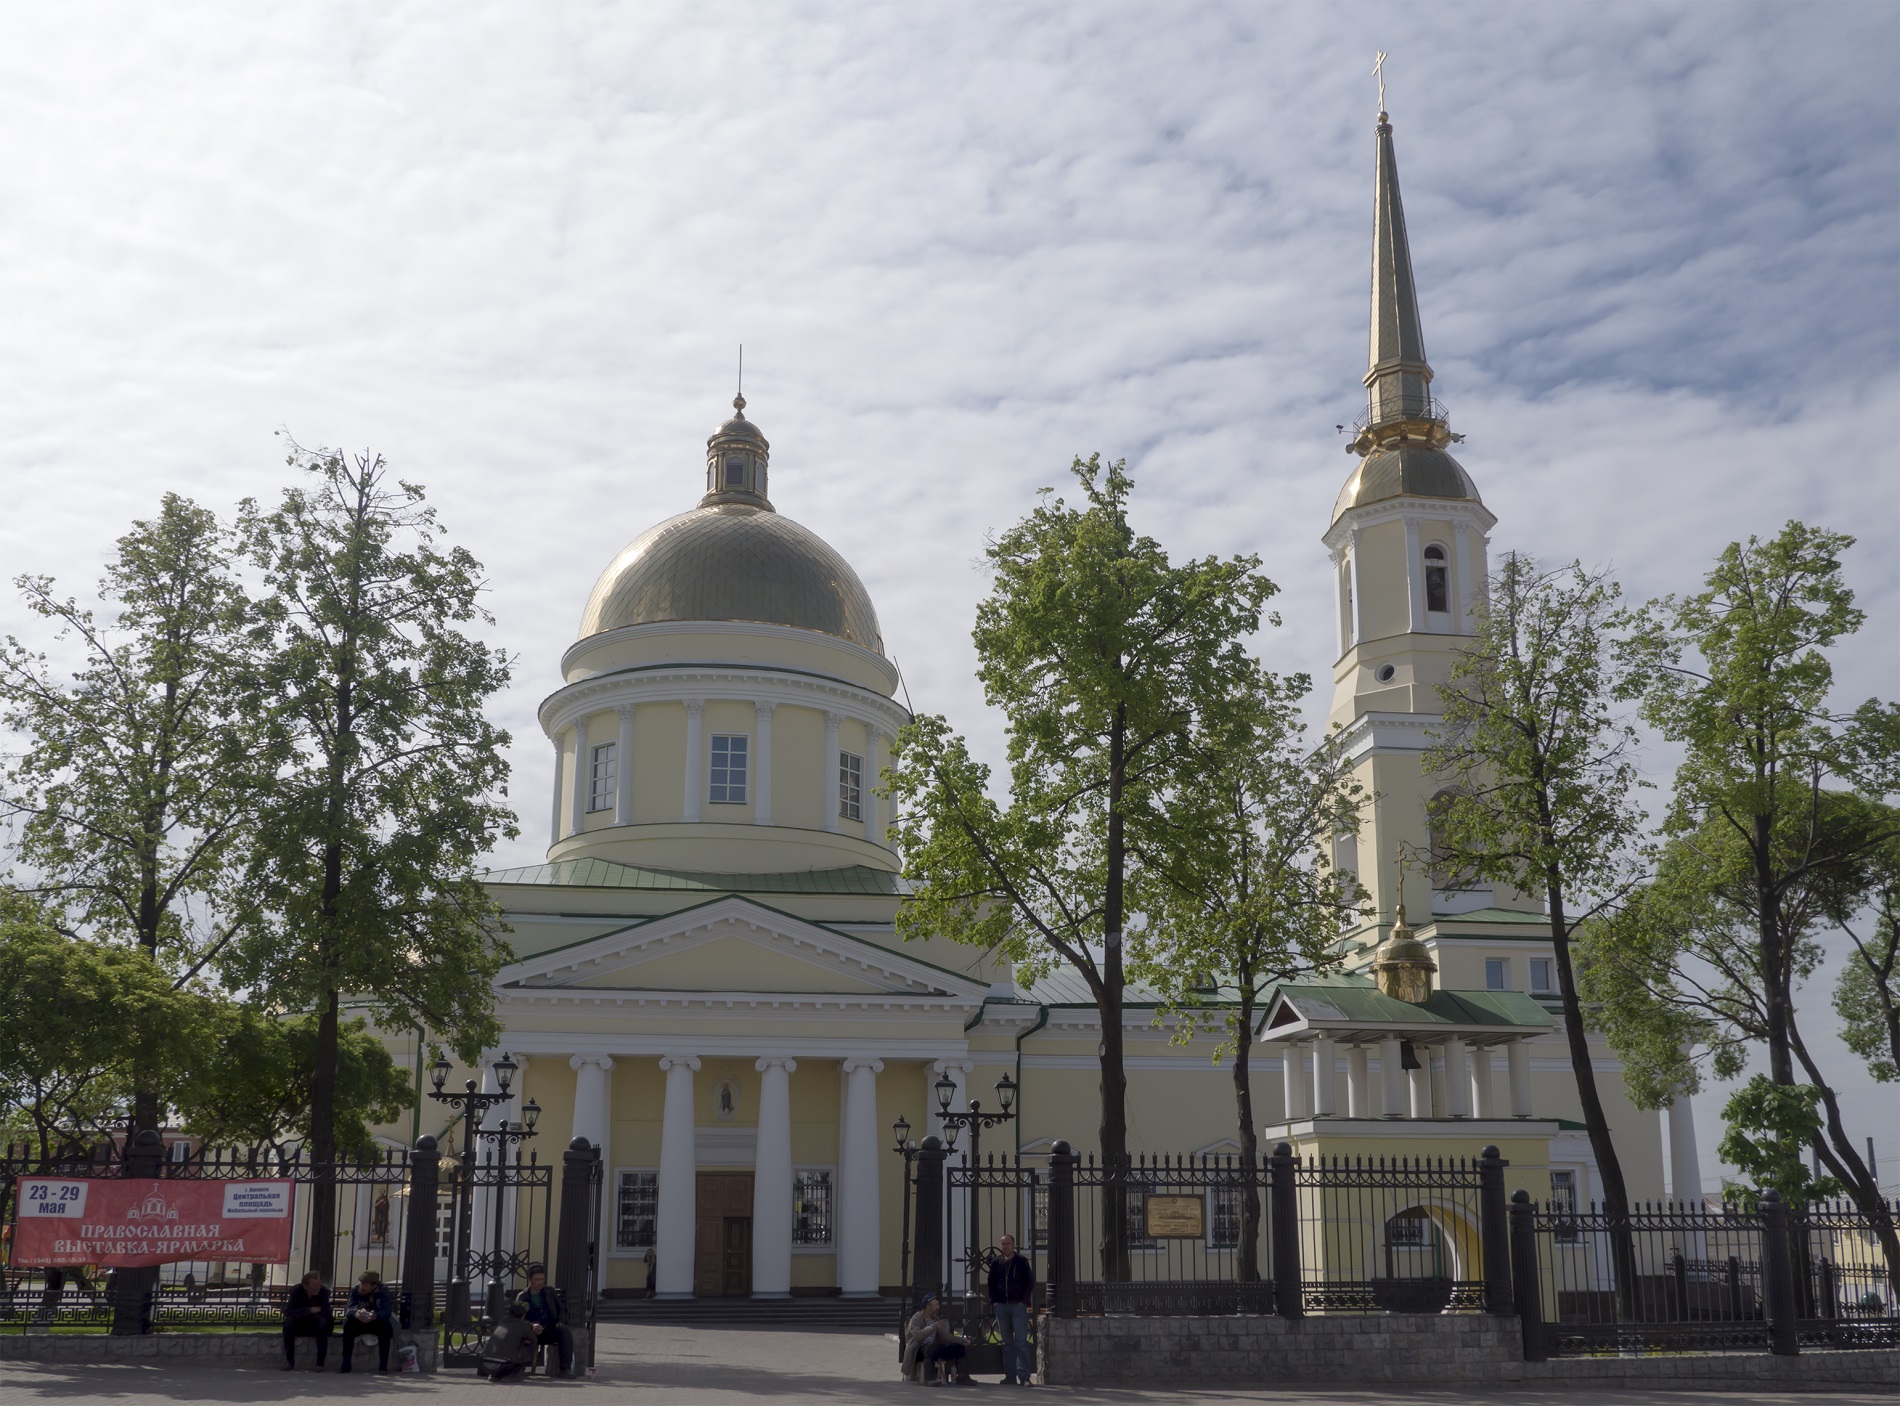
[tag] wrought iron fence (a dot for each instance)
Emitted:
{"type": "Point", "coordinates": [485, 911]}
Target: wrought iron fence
{"type": "Point", "coordinates": [1391, 1235]}
{"type": "Point", "coordinates": [1845, 1293]}
{"type": "Point", "coordinates": [1171, 1235]}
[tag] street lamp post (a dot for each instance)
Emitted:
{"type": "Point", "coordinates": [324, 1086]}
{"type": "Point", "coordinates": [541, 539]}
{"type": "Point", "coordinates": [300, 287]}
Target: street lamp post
{"type": "Point", "coordinates": [975, 1120]}
{"type": "Point", "coordinates": [905, 1148]}
{"type": "Point", "coordinates": [473, 1107]}
{"type": "Point", "coordinates": [504, 1136]}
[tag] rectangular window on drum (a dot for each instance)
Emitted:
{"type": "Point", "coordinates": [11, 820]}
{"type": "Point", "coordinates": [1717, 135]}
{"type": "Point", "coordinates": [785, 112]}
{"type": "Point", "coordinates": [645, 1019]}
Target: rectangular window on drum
{"type": "Point", "coordinates": [811, 1206]}
{"type": "Point", "coordinates": [728, 768]}
{"type": "Point", "coordinates": [1497, 973]}
{"type": "Point", "coordinates": [603, 776]}
{"type": "Point", "coordinates": [636, 1206]}
{"type": "Point", "coordinates": [850, 786]}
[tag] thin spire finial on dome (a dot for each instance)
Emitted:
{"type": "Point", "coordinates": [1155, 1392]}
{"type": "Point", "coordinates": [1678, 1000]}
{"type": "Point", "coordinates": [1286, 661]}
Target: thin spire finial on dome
{"type": "Point", "coordinates": [1378, 72]}
{"type": "Point", "coordinates": [738, 401]}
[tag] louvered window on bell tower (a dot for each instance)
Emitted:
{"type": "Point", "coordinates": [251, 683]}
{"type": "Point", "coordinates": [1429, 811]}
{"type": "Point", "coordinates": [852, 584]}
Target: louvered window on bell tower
{"type": "Point", "coordinates": [735, 471]}
{"type": "Point", "coordinates": [1437, 596]}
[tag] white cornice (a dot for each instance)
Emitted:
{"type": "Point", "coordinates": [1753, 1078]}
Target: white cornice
{"type": "Point", "coordinates": [680, 683]}
{"type": "Point", "coordinates": [1388, 732]}
{"type": "Point", "coordinates": [740, 629]}
{"type": "Point", "coordinates": [748, 1004]}
{"type": "Point", "coordinates": [1427, 509]}
{"type": "Point", "coordinates": [525, 1039]}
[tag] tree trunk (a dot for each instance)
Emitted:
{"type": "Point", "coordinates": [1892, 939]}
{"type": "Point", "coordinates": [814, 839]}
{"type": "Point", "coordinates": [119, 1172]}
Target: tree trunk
{"type": "Point", "coordinates": [323, 1142]}
{"type": "Point", "coordinates": [1844, 1161]}
{"type": "Point", "coordinates": [1108, 1002]}
{"type": "Point", "coordinates": [1775, 995]}
{"type": "Point", "coordinates": [1249, 1268]}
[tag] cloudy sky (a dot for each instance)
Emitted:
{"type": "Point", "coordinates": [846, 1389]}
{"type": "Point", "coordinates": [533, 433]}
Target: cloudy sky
{"type": "Point", "coordinates": [514, 248]}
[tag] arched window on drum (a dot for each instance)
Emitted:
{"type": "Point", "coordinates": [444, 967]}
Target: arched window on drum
{"type": "Point", "coordinates": [1437, 581]}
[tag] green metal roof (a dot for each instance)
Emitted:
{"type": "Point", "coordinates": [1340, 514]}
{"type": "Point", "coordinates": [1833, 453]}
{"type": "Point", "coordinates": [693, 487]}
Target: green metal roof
{"type": "Point", "coordinates": [609, 874]}
{"type": "Point", "coordinates": [1491, 915]}
{"type": "Point", "coordinates": [1356, 999]}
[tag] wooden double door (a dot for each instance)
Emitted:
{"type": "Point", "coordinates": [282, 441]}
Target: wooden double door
{"type": "Point", "coordinates": [722, 1240]}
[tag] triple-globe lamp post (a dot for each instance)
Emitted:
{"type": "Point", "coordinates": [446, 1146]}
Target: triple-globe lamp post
{"type": "Point", "coordinates": [975, 1120]}
{"type": "Point", "coordinates": [473, 1106]}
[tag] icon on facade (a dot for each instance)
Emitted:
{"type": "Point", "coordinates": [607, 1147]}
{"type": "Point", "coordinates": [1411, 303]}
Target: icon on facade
{"type": "Point", "coordinates": [726, 1102]}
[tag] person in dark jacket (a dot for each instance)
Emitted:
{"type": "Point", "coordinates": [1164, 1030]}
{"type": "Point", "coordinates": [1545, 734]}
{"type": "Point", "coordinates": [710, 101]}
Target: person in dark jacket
{"type": "Point", "coordinates": [541, 1306]}
{"type": "Point", "coordinates": [1012, 1285]}
{"type": "Point", "coordinates": [307, 1315]}
{"type": "Point", "coordinates": [369, 1311]}
{"type": "Point", "coordinates": [509, 1348]}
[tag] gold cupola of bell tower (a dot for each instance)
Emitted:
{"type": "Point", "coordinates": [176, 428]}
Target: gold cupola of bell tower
{"type": "Point", "coordinates": [1403, 965]}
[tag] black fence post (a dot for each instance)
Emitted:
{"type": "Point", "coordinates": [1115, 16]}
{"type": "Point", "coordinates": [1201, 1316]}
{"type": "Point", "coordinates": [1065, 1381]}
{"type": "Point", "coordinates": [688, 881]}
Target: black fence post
{"type": "Point", "coordinates": [418, 1241]}
{"type": "Point", "coordinates": [1062, 1230]}
{"type": "Point", "coordinates": [1777, 1275]}
{"type": "Point", "coordinates": [1527, 1290]}
{"type": "Point", "coordinates": [571, 1239]}
{"type": "Point", "coordinates": [1494, 1222]}
{"type": "Point", "coordinates": [134, 1290]}
{"type": "Point", "coordinates": [1284, 1201]}
{"type": "Point", "coordinates": [927, 1261]}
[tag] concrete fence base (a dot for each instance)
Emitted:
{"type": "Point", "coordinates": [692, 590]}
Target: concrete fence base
{"type": "Point", "coordinates": [1420, 1349]}
{"type": "Point", "coordinates": [252, 1349]}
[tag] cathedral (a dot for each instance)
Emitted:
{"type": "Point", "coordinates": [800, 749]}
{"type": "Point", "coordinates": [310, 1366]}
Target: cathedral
{"type": "Point", "coordinates": [706, 982]}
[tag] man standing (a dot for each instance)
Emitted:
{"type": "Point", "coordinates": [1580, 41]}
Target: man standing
{"type": "Point", "coordinates": [1012, 1285]}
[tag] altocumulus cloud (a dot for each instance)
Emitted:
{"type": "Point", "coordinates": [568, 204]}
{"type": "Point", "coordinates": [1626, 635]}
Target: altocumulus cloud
{"type": "Point", "coordinates": [514, 247]}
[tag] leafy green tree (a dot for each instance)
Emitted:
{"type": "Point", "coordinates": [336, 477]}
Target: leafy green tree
{"type": "Point", "coordinates": [1867, 998]}
{"type": "Point", "coordinates": [141, 772]}
{"type": "Point", "coordinates": [391, 780]}
{"type": "Point", "coordinates": [1235, 882]}
{"type": "Point", "coordinates": [1544, 777]}
{"type": "Point", "coordinates": [1768, 1127]}
{"type": "Point", "coordinates": [1099, 651]}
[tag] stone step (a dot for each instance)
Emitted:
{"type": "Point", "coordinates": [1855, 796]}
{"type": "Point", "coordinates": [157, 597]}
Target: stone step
{"type": "Point", "coordinates": [831, 1314]}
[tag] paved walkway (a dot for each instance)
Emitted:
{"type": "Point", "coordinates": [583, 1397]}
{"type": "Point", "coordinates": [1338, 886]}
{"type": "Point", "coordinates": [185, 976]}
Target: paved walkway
{"type": "Point", "coordinates": [643, 1365]}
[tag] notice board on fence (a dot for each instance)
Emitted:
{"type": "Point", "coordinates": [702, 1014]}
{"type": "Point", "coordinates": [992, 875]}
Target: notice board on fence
{"type": "Point", "coordinates": [127, 1222]}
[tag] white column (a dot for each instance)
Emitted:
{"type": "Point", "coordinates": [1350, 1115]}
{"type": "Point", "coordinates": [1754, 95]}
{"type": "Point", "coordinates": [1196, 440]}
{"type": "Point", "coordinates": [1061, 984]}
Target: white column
{"type": "Point", "coordinates": [1461, 534]}
{"type": "Point", "coordinates": [577, 795]}
{"type": "Point", "coordinates": [1457, 1079]}
{"type": "Point", "coordinates": [1391, 1079]}
{"type": "Point", "coordinates": [695, 760]}
{"type": "Point", "coordinates": [1518, 1057]}
{"type": "Point", "coordinates": [1420, 1082]}
{"type": "Point", "coordinates": [676, 1211]}
{"type": "Point", "coordinates": [957, 1222]}
{"type": "Point", "coordinates": [828, 795]}
{"type": "Point", "coordinates": [623, 770]}
{"type": "Point", "coordinates": [1483, 1104]}
{"type": "Point", "coordinates": [873, 811]}
{"type": "Point", "coordinates": [1295, 1089]}
{"type": "Point", "coordinates": [482, 1207]}
{"type": "Point", "coordinates": [772, 1182]}
{"type": "Point", "coordinates": [1325, 1078]}
{"type": "Point", "coordinates": [481, 1210]}
{"type": "Point", "coordinates": [593, 1120]}
{"type": "Point", "coordinates": [856, 1206]}
{"type": "Point", "coordinates": [554, 823]}
{"type": "Point", "coordinates": [1414, 576]}
{"type": "Point", "coordinates": [762, 765]}
{"type": "Point", "coordinates": [1358, 596]}
{"type": "Point", "coordinates": [1358, 1082]}
{"type": "Point", "coordinates": [1685, 1162]}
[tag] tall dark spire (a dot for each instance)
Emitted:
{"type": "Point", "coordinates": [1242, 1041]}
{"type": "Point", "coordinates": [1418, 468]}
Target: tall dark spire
{"type": "Point", "coordinates": [1399, 404]}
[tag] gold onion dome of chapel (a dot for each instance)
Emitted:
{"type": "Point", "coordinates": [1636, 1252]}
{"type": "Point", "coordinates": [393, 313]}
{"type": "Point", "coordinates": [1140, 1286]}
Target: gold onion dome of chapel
{"type": "Point", "coordinates": [1402, 436]}
{"type": "Point", "coordinates": [734, 558]}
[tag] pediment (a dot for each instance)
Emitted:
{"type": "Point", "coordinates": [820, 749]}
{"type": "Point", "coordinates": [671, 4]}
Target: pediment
{"type": "Point", "coordinates": [734, 944]}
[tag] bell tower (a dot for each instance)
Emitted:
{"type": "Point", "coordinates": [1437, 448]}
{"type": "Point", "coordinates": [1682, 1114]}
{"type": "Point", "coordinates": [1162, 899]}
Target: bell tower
{"type": "Point", "coordinates": [1408, 552]}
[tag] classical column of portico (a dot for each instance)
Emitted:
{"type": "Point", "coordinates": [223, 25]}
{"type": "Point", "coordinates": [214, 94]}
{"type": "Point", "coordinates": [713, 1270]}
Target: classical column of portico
{"type": "Point", "coordinates": [1457, 1079]}
{"type": "Point", "coordinates": [873, 811]}
{"type": "Point", "coordinates": [593, 1120]}
{"type": "Point", "coordinates": [581, 782]}
{"type": "Point", "coordinates": [623, 768]}
{"type": "Point", "coordinates": [1483, 1100]}
{"type": "Point", "coordinates": [695, 760]}
{"type": "Point", "coordinates": [1517, 1055]}
{"type": "Point", "coordinates": [1325, 1078]}
{"type": "Point", "coordinates": [762, 766]}
{"type": "Point", "coordinates": [1358, 1082]}
{"type": "Point", "coordinates": [1391, 1079]}
{"type": "Point", "coordinates": [1419, 1081]}
{"type": "Point", "coordinates": [1685, 1162]}
{"type": "Point", "coordinates": [554, 822]}
{"type": "Point", "coordinates": [957, 1233]}
{"type": "Point", "coordinates": [1294, 1086]}
{"type": "Point", "coordinates": [675, 1211]}
{"type": "Point", "coordinates": [859, 1143]}
{"type": "Point", "coordinates": [830, 772]}
{"type": "Point", "coordinates": [772, 1182]}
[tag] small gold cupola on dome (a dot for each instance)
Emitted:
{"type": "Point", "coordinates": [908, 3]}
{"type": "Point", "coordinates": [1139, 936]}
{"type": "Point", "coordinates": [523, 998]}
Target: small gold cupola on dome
{"type": "Point", "coordinates": [1403, 965]}
{"type": "Point", "coordinates": [736, 458]}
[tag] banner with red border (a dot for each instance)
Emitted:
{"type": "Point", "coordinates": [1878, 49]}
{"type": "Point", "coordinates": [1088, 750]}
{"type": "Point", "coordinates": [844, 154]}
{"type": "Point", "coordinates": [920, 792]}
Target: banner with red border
{"type": "Point", "coordinates": [134, 1221]}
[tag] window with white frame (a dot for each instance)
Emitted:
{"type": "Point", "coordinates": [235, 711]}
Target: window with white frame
{"type": "Point", "coordinates": [811, 1206]}
{"type": "Point", "coordinates": [1497, 973]}
{"type": "Point", "coordinates": [636, 1209]}
{"type": "Point", "coordinates": [729, 753]}
{"type": "Point", "coordinates": [1542, 982]}
{"type": "Point", "coordinates": [1563, 1204]}
{"type": "Point", "coordinates": [850, 786]}
{"type": "Point", "coordinates": [603, 776]}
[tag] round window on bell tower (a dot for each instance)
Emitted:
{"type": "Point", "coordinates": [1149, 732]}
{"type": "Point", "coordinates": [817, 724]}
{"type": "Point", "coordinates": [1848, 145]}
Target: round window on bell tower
{"type": "Point", "coordinates": [1384, 673]}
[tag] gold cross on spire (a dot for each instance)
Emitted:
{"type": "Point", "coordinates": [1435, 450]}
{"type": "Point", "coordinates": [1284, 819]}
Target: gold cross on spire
{"type": "Point", "coordinates": [1378, 72]}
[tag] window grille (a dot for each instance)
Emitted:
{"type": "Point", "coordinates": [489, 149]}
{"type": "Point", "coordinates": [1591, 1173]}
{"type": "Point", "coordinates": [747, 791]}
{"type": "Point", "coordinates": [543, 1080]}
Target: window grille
{"type": "Point", "coordinates": [850, 786]}
{"type": "Point", "coordinates": [1039, 1215]}
{"type": "Point", "coordinates": [637, 1204]}
{"type": "Point", "coordinates": [604, 777]}
{"type": "Point", "coordinates": [1406, 1230]}
{"type": "Point", "coordinates": [1563, 1203]}
{"type": "Point", "coordinates": [811, 1207]}
{"type": "Point", "coordinates": [728, 768]}
{"type": "Point", "coordinates": [1223, 1217]}
{"type": "Point", "coordinates": [1138, 1218]}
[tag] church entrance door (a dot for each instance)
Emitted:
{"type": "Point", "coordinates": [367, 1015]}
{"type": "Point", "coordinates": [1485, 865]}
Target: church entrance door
{"type": "Point", "coordinates": [722, 1259]}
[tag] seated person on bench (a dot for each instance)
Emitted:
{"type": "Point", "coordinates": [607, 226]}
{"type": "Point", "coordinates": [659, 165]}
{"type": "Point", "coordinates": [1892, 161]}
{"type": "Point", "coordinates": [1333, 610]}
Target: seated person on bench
{"type": "Point", "coordinates": [928, 1339]}
{"type": "Point", "coordinates": [369, 1311]}
{"type": "Point", "coordinates": [541, 1306]}
{"type": "Point", "coordinates": [510, 1346]}
{"type": "Point", "coordinates": [307, 1315]}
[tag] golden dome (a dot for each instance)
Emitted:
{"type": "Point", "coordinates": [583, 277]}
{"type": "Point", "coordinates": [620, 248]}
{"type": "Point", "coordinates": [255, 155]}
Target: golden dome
{"type": "Point", "coordinates": [1403, 965]}
{"type": "Point", "coordinates": [733, 561]}
{"type": "Point", "coordinates": [1405, 471]}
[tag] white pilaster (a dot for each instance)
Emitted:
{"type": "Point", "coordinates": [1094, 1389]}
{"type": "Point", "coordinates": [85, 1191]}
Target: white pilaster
{"type": "Point", "coordinates": [1414, 575]}
{"type": "Point", "coordinates": [1391, 1079]}
{"type": "Point", "coordinates": [623, 770]}
{"type": "Point", "coordinates": [1358, 596]}
{"type": "Point", "coordinates": [554, 822]}
{"type": "Point", "coordinates": [1295, 1089]}
{"type": "Point", "coordinates": [1517, 1055]}
{"type": "Point", "coordinates": [578, 782]}
{"type": "Point", "coordinates": [762, 765]}
{"type": "Point", "coordinates": [856, 1218]}
{"type": "Point", "coordinates": [1339, 585]}
{"type": "Point", "coordinates": [1483, 1100]}
{"type": "Point", "coordinates": [873, 769]}
{"type": "Point", "coordinates": [1325, 1078]}
{"type": "Point", "coordinates": [678, 1191]}
{"type": "Point", "coordinates": [829, 771]}
{"type": "Point", "coordinates": [695, 760]}
{"type": "Point", "coordinates": [1457, 1079]}
{"type": "Point", "coordinates": [1685, 1162]}
{"type": "Point", "coordinates": [1358, 1082]}
{"type": "Point", "coordinates": [1461, 535]}
{"type": "Point", "coordinates": [772, 1182]}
